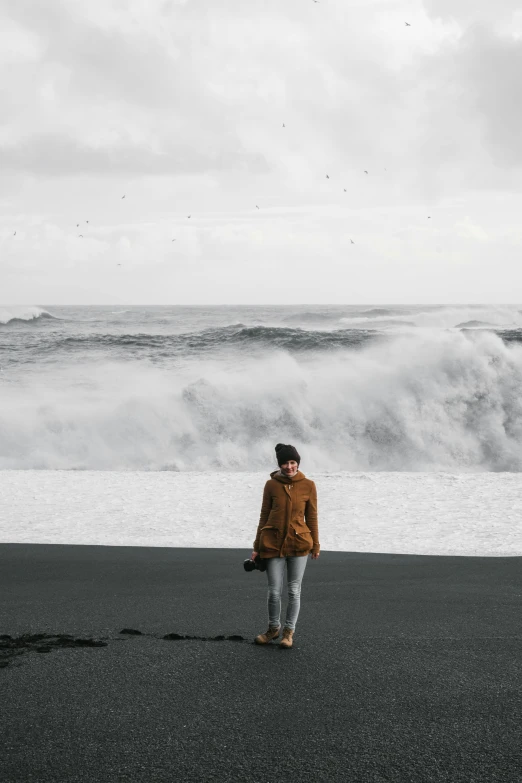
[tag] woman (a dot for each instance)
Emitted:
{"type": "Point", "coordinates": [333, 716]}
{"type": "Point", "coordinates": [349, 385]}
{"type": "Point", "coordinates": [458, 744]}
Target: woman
{"type": "Point", "coordinates": [287, 533]}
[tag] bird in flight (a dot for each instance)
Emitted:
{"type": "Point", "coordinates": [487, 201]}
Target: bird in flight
{"type": "Point", "coordinates": [188, 216]}
{"type": "Point", "coordinates": [344, 190]}
{"type": "Point", "coordinates": [429, 217]}
{"type": "Point", "coordinates": [173, 240]}
{"type": "Point", "coordinates": [365, 171]}
{"type": "Point", "coordinates": [351, 240]}
{"type": "Point", "coordinates": [80, 235]}
{"type": "Point", "coordinates": [407, 24]}
{"type": "Point", "coordinates": [118, 264]}
{"type": "Point", "coordinates": [257, 207]}
{"type": "Point", "coordinates": [284, 126]}
{"type": "Point", "coordinates": [14, 234]}
{"type": "Point", "coordinates": [123, 196]}
{"type": "Point", "coordinates": [327, 177]}
{"type": "Point", "coordinates": [86, 221]}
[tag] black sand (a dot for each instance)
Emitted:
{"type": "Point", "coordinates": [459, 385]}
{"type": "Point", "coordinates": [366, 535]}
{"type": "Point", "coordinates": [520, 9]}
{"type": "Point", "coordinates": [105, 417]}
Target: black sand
{"type": "Point", "coordinates": [404, 668]}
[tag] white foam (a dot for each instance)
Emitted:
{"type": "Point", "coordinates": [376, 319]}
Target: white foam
{"type": "Point", "coordinates": [433, 401]}
{"type": "Point", "coordinates": [22, 313]}
{"type": "Point", "coordinates": [409, 513]}
{"type": "Point", "coordinates": [507, 317]}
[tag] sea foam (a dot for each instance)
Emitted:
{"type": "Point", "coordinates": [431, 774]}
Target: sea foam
{"type": "Point", "coordinates": [428, 401]}
{"type": "Point", "coordinates": [22, 313]}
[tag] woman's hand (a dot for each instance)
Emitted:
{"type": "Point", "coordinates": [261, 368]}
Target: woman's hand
{"type": "Point", "coordinates": [314, 557]}
{"type": "Point", "coordinates": [254, 555]}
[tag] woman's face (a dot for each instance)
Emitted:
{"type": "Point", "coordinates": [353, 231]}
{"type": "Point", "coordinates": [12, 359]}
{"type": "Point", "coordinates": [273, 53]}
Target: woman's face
{"type": "Point", "coordinates": [289, 468]}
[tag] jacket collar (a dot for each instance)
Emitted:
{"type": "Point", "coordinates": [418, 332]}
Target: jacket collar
{"type": "Point", "coordinates": [286, 479]}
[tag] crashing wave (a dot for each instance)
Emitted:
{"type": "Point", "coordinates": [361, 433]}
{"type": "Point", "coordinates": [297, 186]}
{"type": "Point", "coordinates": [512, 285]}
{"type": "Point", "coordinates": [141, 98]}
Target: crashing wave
{"type": "Point", "coordinates": [233, 337]}
{"type": "Point", "coordinates": [446, 401]}
{"type": "Point", "coordinates": [475, 325]}
{"type": "Point", "coordinates": [30, 314]}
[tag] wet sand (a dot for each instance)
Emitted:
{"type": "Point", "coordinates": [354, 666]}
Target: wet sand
{"type": "Point", "coordinates": [404, 668]}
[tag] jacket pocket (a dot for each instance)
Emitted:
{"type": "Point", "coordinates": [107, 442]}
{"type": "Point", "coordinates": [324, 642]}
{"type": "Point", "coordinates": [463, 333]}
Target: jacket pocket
{"type": "Point", "coordinates": [268, 539]}
{"type": "Point", "coordinates": [303, 540]}
{"type": "Point", "coordinates": [300, 527]}
{"type": "Point", "coordinates": [304, 535]}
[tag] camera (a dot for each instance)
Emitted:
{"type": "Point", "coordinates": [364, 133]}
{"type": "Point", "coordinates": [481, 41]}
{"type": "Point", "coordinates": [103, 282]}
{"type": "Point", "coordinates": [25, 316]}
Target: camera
{"type": "Point", "coordinates": [257, 564]}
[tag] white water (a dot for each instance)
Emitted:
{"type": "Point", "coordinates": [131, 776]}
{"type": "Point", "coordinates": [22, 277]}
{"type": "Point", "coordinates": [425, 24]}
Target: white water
{"type": "Point", "coordinates": [22, 313]}
{"type": "Point", "coordinates": [436, 400]}
{"type": "Point", "coordinates": [501, 317]}
{"type": "Point", "coordinates": [408, 513]}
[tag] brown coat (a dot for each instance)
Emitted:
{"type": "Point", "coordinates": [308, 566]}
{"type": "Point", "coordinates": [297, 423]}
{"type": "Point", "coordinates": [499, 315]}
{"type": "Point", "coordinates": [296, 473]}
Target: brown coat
{"type": "Point", "coordinates": [288, 519]}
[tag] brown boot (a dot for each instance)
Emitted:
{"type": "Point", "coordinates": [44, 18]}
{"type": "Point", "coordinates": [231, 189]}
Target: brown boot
{"type": "Point", "coordinates": [287, 639]}
{"type": "Point", "coordinates": [272, 633]}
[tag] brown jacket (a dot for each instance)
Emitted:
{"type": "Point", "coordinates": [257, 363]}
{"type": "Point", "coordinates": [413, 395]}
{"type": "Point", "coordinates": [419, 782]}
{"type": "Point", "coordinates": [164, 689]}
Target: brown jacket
{"type": "Point", "coordinates": [288, 519]}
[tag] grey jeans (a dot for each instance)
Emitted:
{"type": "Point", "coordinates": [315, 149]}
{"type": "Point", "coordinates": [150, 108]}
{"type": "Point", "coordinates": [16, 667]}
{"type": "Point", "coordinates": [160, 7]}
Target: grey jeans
{"type": "Point", "coordinates": [275, 569]}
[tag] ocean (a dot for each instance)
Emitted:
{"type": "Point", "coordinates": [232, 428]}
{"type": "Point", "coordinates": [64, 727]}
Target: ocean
{"type": "Point", "coordinates": [182, 388]}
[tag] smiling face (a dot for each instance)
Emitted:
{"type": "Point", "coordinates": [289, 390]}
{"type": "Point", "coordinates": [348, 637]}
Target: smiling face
{"type": "Point", "coordinates": [289, 468]}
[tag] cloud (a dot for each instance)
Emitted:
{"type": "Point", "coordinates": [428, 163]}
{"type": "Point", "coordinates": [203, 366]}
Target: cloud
{"type": "Point", "coordinates": [299, 257]}
{"type": "Point", "coordinates": [217, 79]}
{"type": "Point", "coordinates": [173, 88]}
{"type": "Point", "coordinates": [54, 154]}
{"type": "Point", "coordinates": [492, 70]}
{"type": "Point", "coordinates": [101, 99]}
{"type": "Point", "coordinates": [469, 12]}
{"type": "Point", "coordinates": [181, 106]}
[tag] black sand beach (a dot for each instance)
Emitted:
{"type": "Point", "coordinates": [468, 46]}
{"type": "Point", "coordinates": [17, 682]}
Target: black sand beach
{"type": "Point", "coordinates": [404, 668]}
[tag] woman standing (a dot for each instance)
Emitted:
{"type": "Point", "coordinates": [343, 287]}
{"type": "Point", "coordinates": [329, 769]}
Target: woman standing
{"type": "Point", "coordinates": [287, 533]}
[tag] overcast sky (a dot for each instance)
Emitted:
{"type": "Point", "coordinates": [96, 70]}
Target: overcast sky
{"type": "Point", "coordinates": [179, 105]}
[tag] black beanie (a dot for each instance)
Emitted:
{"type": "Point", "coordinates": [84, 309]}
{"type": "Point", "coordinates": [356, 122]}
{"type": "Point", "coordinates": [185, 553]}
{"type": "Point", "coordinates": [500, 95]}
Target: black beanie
{"type": "Point", "coordinates": [284, 453]}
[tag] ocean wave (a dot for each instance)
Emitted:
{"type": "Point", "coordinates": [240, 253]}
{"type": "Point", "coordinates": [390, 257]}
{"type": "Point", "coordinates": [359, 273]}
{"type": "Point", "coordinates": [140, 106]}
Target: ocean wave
{"type": "Point", "coordinates": [387, 323]}
{"type": "Point", "coordinates": [376, 312]}
{"type": "Point", "coordinates": [311, 317]}
{"type": "Point", "coordinates": [290, 339]}
{"type": "Point", "coordinates": [23, 315]}
{"type": "Point", "coordinates": [356, 321]}
{"type": "Point", "coordinates": [475, 325]}
{"type": "Point", "coordinates": [234, 336]}
{"type": "Point", "coordinates": [442, 317]}
{"type": "Point", "coordinates": [446, 401]}
{"type": "Point", "coordinates": [353, 317]}
{"type": "Point", "coordinates": [510, 335]}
